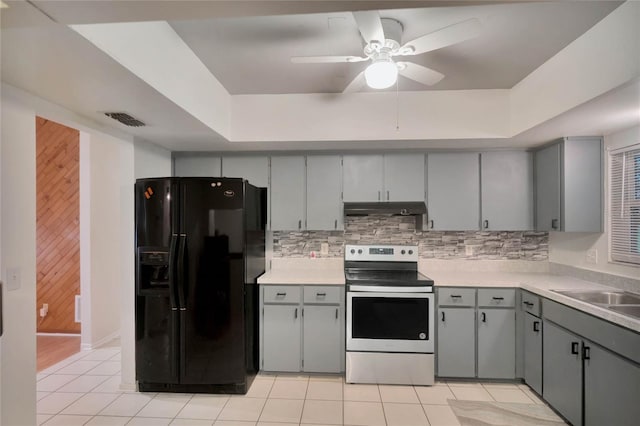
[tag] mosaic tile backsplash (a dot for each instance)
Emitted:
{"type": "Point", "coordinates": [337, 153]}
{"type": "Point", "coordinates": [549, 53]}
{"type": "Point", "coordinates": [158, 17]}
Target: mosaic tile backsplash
{"type": "Point", "coordinates": [400, 230]}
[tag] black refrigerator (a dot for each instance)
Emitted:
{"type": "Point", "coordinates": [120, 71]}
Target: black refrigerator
{"type": "Point", "coordinates": [200, 246]}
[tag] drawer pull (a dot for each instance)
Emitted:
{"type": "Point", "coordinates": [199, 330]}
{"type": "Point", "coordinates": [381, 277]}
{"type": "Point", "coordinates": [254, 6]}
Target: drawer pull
{"type": "Point", "coordinates": [497, 298]}
{"type": "Point", "coordinates": [536, 326]}
{"type": "Point", "coordinates": [281, 294]}
{"type": "Point", "coordinates": [527, 303]}
{"type": "Point", "coordinates": [321, 294]}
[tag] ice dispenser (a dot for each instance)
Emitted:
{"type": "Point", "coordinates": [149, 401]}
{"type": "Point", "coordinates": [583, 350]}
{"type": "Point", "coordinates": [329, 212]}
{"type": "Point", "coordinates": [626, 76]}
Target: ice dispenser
{"type": "Point", "coordinates": [153, 269]}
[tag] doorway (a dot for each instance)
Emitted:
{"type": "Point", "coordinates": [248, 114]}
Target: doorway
{"type": "Point", "coordinates": [57, 242]}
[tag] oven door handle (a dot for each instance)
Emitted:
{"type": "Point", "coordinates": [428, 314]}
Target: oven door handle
{"type": "Point", "coordinates": [389, 289]}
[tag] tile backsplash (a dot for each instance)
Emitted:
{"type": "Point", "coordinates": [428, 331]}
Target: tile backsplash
{"type": "Point", "coordinates": [400, 230]}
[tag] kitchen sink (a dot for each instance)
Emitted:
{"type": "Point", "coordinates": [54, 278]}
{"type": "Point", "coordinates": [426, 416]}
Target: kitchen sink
{"type": "Point", "coordinates": [633, 310]}
{"type": "Point", "coordinates": [618, 301]}
{"type": "Point", "coordinates": [599, 297]}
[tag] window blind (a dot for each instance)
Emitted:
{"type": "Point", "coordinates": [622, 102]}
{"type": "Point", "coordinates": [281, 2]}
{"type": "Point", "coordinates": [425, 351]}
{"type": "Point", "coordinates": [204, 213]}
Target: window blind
{"type": "Point", "coordinates": [625, 205]}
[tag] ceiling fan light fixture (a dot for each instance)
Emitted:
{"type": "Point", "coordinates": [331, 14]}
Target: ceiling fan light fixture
{"type": "Point", "coordinates": [381, 74]}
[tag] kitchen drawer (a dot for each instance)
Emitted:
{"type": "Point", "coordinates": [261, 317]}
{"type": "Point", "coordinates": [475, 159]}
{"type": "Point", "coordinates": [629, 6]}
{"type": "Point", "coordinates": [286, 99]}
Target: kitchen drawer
{"type": "Point", "coordinates": [531, 303]}
{"type": "Point", "coordinates": [323, 294]}
{"type": "Point", "coordinates": [456, 296]}
{"type": "Point", "coordinates": [497, 297]}
{"type": "Point", "coordinates": [281, 294]}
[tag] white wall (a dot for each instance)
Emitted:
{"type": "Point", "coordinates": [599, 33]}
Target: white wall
{"type": "Point", "coordinates": [149, 161]}
{"type": "Point", "coordinates": [18, 226]}
{"type": "Point", "coordinates": [571, 248]}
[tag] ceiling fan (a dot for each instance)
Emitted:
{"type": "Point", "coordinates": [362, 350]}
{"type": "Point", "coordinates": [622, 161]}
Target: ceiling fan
{"type": "Point", "coordinates": [382, 38]}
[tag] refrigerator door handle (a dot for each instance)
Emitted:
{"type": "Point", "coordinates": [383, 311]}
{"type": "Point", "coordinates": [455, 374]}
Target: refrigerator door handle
{"type": "Point", "coordinates": [172, 272]}
{"type": "Point", "coordinates": [181, 280]}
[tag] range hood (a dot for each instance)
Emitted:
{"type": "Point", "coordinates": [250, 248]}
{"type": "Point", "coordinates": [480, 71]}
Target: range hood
{"type": "Point", "coordinates": [402, 208]}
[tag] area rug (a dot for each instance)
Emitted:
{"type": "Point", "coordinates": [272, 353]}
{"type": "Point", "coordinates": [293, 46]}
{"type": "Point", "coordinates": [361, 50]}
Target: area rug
{"type": "Point", "coordinates": [480, 413]}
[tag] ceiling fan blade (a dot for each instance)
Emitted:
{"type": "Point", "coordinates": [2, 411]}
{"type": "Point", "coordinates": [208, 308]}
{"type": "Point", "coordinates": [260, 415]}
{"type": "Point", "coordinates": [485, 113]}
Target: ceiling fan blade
{"type": "Point", "coordinates": [369, 25]}
{"type": "Point", "coordinates": [356, 84]}
{"type": "Point", "coordinates": [325, 59]}
{"type": "Point", "coordinates": [443, 37]}
{"type": "Point", "coordinates": [419, 73]}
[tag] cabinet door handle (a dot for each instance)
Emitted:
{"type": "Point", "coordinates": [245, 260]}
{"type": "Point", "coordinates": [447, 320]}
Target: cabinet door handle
{"type": "Point", "coordinates": [536, 326]}
{"type": "Point", "coordinates": [554, 223]}
{"type": "Point", "coordinates": [574, 348]}
{"type": "Point", "coordinates": [295, 315]}
{"type": "Point", "coordinates": [335, 224]}
{"type": "Point", "coordinates": [442, 316]}
{"type": "Point", "coordinates": [281, 294]}
{"type": "Point", "coordinates": [486, 224]}
{"type": "Point", "coordinates": [431, 224]}
{"type": "Point", "coordinates": [387, 195]}
{"type": "Point", "coordinates": [336, 313]}
{"type": "Point", "coordinates": [378, 195]}
{"type": "Point", "coordinates": [300, 224]}
{"type": "Point", "coordinates": [586, 352]}
{"type": "Point", "coordinates": [484, 317]}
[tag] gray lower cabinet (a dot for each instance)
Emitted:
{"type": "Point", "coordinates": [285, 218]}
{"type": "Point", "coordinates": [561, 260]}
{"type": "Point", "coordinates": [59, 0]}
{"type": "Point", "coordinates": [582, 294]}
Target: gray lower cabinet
{"type": "Point", "coordinates": [281, 339]}
{"type": "Point", "coordinates": [532, 327]}
{"type": "Point", "coordinates": [456, 342]}
{"type": "Point", "coordinates": [562, 372]}
{"type": "Point", "coordinates": [476, 342]}
{"type": "Point", "coordinates": [302, 328]}
{"type": "Point", "coordinates": [322, 344]}
{"type": "Point", "coordinates": [591, 368]}
{"type": "Point", "coordinates": [496, 343]}
{"type": "Point", "coordinates": [611, 389]}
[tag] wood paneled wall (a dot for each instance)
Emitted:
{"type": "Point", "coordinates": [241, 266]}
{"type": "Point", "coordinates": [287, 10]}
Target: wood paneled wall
{"type": "Point", "coordinates": [58, 225]}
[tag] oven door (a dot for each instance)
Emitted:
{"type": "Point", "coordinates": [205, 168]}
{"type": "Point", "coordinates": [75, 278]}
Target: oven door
{"type": "Point", "coordinates": [390, 322]}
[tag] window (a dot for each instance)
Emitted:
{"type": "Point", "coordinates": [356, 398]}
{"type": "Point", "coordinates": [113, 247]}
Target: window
{"type": "Point", "coordinates": [625, 205]}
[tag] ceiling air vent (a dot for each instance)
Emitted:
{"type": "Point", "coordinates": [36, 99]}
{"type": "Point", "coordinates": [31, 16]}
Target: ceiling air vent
{"type": "Point", "coordinates": [125, 119]}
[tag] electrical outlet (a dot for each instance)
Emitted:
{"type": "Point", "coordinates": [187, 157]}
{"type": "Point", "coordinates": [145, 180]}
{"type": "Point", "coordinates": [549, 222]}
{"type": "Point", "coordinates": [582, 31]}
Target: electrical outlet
{"type": "Point", "coordinates": [468, 250]}
{"type": "Point", "coordinates": [44, 310]}
{"type": "Point", "coordinates": [324, 248]}
{"type": "Point", "coordinates": [592, 256]}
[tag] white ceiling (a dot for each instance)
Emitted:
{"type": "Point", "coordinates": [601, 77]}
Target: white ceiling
{"type": "Point", "coordinates": [249, 54]}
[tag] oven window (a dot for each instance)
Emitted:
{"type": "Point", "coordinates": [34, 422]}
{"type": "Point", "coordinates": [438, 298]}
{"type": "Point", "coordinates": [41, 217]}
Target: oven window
{"type": "Point", "coordinates": [390, 318]}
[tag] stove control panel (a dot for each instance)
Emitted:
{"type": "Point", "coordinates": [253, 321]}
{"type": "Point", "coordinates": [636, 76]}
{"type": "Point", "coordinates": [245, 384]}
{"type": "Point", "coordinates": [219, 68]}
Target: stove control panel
{"type": "Point", "coordinates": [376, 253]}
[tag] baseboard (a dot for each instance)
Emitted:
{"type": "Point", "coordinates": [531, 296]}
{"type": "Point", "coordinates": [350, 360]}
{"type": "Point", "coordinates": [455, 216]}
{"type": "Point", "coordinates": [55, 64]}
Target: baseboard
{"type": "Point", "coordinates": [101, 342]}
{"type": "Point", "coordinates": [128, 387]}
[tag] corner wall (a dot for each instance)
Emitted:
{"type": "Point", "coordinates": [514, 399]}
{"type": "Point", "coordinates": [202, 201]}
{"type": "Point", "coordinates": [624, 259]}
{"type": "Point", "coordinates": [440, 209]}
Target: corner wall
{"type": "Point", "coordinates": [570, 248]}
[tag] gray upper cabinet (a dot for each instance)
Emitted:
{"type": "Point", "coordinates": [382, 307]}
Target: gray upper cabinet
{"type": "Point", "coordinates": [569, 185]}
{"type": "Point", "coordinates": [200, 165]}
{"type": "Point", "coordinates": [453, 191]}
{"type": "Point", "coordinates": [403, 177]}
{"type": "Point", "coordinates": [287, 193]}
{"type": "Point", "coordinates": [324, 189]}
{"type": "Point", "coordinates": [362, 177]}
{"type": "Point", "coordinates": [255, 169]}
{"type": "Point", "coordinates": [507, 190]}
{"type": "Point", "coordinates": [547, 173]}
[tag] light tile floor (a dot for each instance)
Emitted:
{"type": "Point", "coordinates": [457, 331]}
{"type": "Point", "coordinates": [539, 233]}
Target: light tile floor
{"type": "Point", "coordinates": [84, 390]}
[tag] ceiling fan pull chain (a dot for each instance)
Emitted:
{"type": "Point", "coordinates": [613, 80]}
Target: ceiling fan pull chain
{"type": "Point", "coordinates": [397, 106]}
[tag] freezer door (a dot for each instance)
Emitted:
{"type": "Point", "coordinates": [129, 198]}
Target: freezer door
{"type": "Point", "coordinates": [156, 298]}
{"type": "Point", "coordinates": [212, 291]}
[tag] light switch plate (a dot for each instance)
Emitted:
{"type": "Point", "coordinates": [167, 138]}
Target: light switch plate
{"type": "Point", "coordinates": [13, 279]}
{"type": "Point", "coordinates": [324, 248]}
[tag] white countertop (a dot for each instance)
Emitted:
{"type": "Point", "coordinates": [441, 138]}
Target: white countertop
{"type": "Point", "coordinates": [331, 272]}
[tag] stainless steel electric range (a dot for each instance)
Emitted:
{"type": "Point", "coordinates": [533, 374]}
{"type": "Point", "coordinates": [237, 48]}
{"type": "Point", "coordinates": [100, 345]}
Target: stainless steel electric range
{"type": "Point", "coordinates": [390, 316]}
